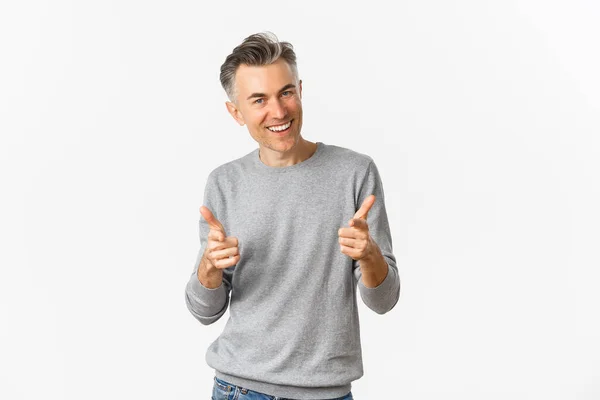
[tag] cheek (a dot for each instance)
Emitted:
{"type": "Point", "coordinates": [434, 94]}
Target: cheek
{"type": "Point", "coordinates": [293, 104]}
{"type": "Point", "coordinates": [258, 119]}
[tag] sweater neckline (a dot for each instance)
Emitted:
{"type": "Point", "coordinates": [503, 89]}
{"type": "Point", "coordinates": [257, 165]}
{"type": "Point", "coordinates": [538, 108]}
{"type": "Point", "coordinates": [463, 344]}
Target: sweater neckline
{"type": "Point", "coordinates": [278, 170]}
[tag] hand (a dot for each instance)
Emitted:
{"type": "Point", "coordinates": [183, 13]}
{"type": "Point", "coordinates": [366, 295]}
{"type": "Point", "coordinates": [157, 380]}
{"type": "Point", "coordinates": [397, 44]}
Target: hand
{"type": "Point", "coordinates": [356, 241]}
{"type": "Point", "coordinates": [221, 250]}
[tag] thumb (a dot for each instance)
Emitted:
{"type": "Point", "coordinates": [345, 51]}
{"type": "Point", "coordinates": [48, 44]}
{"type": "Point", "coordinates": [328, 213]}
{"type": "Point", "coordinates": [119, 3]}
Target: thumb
{"type": "Point", "coordinates": [213, 222]}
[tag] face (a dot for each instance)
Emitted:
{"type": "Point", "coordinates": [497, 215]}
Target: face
{"type": "Point", "coordinates": [269, 96]}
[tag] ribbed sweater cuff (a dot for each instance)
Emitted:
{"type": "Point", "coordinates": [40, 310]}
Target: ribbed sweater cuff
{"type": "Point", "coordinates": [208, 302]}
{"type": "Point", "coordinates": [381, 298]}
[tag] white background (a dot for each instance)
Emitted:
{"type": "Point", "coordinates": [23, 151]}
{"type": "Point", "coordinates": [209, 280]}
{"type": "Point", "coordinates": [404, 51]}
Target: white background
{"type": "Point", "coordinates": [482, 116]}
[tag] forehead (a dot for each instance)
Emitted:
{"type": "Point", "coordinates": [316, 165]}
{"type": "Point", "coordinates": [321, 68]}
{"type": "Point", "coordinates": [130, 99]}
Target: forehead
{"type": "Point", "coordinates": [264, 78]}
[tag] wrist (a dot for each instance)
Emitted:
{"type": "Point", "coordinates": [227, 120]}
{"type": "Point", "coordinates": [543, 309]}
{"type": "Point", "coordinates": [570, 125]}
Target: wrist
{"type": "Point", "coordinates": [373, 256]}
{"type": "Point", "coordinates": [209, 275]}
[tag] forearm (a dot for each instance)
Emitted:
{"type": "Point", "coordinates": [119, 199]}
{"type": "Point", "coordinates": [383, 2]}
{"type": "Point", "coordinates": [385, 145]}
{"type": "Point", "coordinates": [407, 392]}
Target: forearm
{"type": "Point", "coordinates": [379, 282]}
{"type": "Point", "coordinates": [207, 293]}
{"type": "Point", "coordinates": [374, 268]}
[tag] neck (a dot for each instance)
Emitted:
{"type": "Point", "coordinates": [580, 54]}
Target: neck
{"type": "Point", "coordinates": [302, 151]}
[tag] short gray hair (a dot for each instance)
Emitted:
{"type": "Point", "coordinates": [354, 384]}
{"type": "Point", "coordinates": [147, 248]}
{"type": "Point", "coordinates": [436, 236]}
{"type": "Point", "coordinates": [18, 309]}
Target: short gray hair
{"type": "Point", "coordinates": [256, 50]}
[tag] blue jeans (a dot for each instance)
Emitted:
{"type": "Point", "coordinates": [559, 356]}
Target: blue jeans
{"type": "Point", "coordinates": [227, 391]}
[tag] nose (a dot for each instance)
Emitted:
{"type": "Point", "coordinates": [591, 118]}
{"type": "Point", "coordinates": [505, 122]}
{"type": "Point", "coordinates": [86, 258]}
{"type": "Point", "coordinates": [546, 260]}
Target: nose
{"type": "Point", "coordinates": [278, 110]}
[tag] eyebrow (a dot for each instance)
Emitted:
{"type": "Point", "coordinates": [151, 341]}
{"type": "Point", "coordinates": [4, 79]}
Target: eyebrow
{"type": "Point", "coordinates": [286, 87]}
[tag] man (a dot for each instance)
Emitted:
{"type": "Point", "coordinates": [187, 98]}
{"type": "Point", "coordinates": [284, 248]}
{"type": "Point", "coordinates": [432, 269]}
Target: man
{"type": "Point", "coordinates": [288, 232]}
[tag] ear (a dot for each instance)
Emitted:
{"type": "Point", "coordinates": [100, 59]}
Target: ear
{"type": "Point", "coordinates": [235, 113]}
{"type": "Point", "coordinates": [300, 86]}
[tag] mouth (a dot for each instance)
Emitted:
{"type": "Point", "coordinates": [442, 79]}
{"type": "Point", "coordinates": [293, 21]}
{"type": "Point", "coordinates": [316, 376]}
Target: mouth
{"type": "Point", "coordinates": [281, 130]}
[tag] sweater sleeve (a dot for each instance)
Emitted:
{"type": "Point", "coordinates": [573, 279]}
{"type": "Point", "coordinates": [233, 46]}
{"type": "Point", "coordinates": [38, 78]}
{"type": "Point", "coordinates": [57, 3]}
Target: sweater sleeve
{"type": "Point", "coordinates": [384, 297]}
{"type": "Point", "coordinates": [208, 305]}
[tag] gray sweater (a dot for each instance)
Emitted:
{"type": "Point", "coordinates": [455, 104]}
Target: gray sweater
{"type": "Point", "coordinates": [293, 327]}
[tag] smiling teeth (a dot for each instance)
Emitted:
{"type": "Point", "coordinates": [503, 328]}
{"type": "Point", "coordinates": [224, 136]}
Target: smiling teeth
{"type": "Point", "coordinates": [280, 127]}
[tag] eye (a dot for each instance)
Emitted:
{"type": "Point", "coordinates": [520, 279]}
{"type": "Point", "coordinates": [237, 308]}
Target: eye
{"type": "Point", "coordinates": [257, 101]}
{"type": "Point", "coordinates": [287, 91]}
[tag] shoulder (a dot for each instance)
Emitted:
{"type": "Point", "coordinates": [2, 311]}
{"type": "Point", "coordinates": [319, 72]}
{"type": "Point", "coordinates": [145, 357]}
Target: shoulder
{"type": "Point", "coordinates": [231, 171]}
{"type": "Point", "coordinates": [348, 159]}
